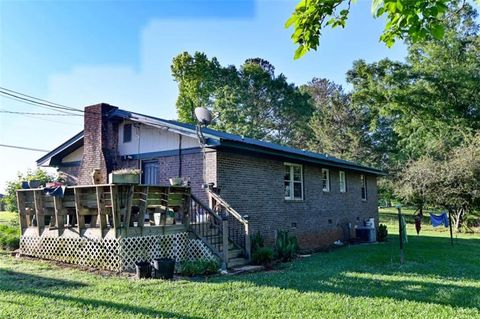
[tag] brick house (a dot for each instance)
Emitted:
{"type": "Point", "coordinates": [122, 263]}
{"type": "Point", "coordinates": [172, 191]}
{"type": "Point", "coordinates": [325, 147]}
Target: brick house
{"type": "Point", "coordinates": [318, 198]}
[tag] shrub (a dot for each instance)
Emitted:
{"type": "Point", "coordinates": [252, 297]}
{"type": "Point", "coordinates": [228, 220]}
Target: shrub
{"type": "Point", "coordinates": [9, 237]}
{"type": "Point", "coordinates": [199, 267]}
{"type": "Point", "coordinates": [382, 232]}
{"type": "Point", "coordinates": [285, 246]}
{"type": "Point", "coordinates": [263, 256]}
{"type": "Point", "coordinates": [256, 242]}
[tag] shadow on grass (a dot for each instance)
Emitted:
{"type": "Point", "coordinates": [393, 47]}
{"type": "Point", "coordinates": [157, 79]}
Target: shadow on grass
{"type": "Point", "coordinates": [434, 272]}
{"type": "Point", "coordinates": [39, 286]}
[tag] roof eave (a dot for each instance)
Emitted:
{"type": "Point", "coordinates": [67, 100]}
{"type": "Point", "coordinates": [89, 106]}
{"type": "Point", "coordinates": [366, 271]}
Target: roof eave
{"type": "Point", "coordinates": [301, 158]}
{"type": "Point", "coordinates": [46, 160]}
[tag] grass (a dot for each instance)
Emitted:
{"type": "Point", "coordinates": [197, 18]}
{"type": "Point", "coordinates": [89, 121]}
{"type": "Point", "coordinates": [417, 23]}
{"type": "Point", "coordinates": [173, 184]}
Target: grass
{"type": "Point", "coordinates": [7, 217]}
{"type": "Point", "coordinates": [437, 281]}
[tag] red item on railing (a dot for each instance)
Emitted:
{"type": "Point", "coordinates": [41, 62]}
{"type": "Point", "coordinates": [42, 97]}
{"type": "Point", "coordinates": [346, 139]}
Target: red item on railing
{"type": "Point", "coordinates": [54, 184]}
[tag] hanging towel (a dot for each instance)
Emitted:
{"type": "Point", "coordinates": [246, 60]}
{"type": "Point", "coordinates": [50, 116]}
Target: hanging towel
{"type": "Point", "coordinates": [403, 225]}
{"type": "Point", "coordinates": [438, 220]}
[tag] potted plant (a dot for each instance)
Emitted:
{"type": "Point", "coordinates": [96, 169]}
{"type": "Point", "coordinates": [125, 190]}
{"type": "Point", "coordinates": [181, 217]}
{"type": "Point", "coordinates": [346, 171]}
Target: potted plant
{"type": "Point", "coordinates": [125, 176]}
{"type": "Point", "coordinates": [176, 181]}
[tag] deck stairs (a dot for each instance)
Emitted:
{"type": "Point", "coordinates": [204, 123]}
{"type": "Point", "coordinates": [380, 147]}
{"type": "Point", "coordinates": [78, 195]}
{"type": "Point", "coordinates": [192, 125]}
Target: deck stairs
{"type": "Point", "coordinates": [221, 228]}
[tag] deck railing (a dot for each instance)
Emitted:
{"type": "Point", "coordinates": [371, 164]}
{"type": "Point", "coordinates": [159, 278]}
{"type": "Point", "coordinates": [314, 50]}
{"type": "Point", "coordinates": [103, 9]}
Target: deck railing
{"type": "Point", "coordinates": [107, 207]}
{"type": "Point", "coordinates": [236, 225]}
{"type": "Point", "coordinates": [207, 225]}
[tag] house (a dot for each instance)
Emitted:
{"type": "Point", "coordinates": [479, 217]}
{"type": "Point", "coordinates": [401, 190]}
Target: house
{"type": "Point", "coordinates": [317, 197]}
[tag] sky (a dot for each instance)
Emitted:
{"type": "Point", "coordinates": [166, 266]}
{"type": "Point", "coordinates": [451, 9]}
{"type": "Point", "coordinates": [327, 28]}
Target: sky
{"type": "Point", "coordinates": [79, 53]}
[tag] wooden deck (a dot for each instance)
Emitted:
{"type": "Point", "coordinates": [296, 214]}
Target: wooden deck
{"type": "Point", "coordinates": [101, 211]}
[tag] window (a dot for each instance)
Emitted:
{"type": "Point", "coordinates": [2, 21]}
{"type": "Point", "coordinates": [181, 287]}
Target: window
{"type": "Point", "coordinates": [293, 181]}
{"type": "Point", "coordinates": [127, 133]}
{"type": "Point", "coordinates": [325, 180]}
{"type": "Point", "coordinates": [363, 182]}
{"type": "Point", "coordinates": [341, 182]}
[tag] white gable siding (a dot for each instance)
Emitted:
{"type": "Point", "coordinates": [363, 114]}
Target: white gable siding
{"type": "Point", "coordinates": [152, 139]}
{"type": "Point", "coordinates": [75, 156]}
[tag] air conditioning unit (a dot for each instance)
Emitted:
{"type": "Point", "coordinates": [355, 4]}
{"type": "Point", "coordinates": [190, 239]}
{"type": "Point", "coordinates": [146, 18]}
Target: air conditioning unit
{"type": "Point", "coordinates": [366, 234]}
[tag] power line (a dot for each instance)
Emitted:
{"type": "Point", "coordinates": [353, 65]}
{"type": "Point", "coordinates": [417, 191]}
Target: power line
{"type": "Point", "coordinates": [53, 104]}
{"type": "Point", "coordinates": [33, 113]}
{"type": "Point", "coordinates": [24, 148]}
{"type": "Point", "coordinates": [34, 104]}
{"type": "Point", "coordinates": [37, 102]}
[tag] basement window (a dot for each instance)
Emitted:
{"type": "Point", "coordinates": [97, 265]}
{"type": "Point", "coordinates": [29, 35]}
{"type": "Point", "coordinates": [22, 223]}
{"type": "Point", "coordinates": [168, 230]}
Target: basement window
{"type": "Point", "coordinates": [127, 133]}
{"type": "Point", "coordinates": [293, 181]}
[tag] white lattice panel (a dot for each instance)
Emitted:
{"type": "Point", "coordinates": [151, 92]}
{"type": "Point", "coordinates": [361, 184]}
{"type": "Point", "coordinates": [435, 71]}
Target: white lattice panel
{"type": "Point", "coordinates": [115, 254]}
{"type": "Point", "coordinates": [98, 253]}
{"type": "Point", "coordinates": [198, 250]}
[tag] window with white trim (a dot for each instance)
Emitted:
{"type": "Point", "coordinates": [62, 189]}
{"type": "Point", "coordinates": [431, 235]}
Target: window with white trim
{"type": "Point", "coordinates": [325, 180]}
{"type": "Point", "coordinates": [293, 181]}
{"type": "Point", "coordinates": [363, 183]}
{"type": "Point", "coordinates": [341, 182]}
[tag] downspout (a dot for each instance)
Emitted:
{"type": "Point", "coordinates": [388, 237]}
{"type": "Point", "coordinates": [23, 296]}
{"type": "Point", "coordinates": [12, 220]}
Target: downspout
{"type": "Point", "coordinates": [139, 163]}
{"type": "Point", "coordinates": [180, 155]}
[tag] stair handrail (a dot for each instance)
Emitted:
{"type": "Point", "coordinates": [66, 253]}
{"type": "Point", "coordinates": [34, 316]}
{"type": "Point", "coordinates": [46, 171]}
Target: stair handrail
{"type": "Point", "coordinates": [242, 219]}
{"type": "Point", "coordinates": [229, 208]}
{"type": "Point", "coordinates": [208, 209]}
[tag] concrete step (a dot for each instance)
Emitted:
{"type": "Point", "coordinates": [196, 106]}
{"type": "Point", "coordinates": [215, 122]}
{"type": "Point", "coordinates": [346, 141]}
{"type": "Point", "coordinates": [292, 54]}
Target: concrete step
{"type": "Point", "coordinates": [234, 253]}
{"type": "Point", "coordinates": [237, 262]}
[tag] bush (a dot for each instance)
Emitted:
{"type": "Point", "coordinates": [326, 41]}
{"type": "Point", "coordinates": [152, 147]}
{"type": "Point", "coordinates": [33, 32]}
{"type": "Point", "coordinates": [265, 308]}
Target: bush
{"type": "Point", "coordinates": [10, 199]}
{"type": "Point", "coordinates": [256, 242]}
{"type": "Point", "coordinates": [9, 237]}
{"type": "Point", "coordinates": [263, 256]}
{"type": "Point", "coordinates": [199, 267]}
{"type": "Point", "coordinates": [382, 232]}
{"type": "Point", "coordinates": [285, 246]}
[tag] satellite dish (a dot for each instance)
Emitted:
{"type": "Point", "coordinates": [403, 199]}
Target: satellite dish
{"type": "Point", "coordinates": [203, 116]}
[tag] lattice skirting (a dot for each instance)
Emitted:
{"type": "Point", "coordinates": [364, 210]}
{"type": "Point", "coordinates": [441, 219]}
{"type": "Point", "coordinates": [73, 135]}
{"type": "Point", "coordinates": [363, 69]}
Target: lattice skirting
{"type": "Point", "coordinates": [115, 254]}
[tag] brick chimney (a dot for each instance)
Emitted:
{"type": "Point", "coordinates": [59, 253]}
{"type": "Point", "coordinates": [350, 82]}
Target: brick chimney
{"type": "Point", "coordinates": [100, 136]}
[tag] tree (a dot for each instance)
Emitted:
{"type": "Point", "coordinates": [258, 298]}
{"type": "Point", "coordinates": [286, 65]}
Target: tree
{"type": "Point", "coordinates": [197, 77]}
{"type": "Point", "coordinates": [433, 100]}
{"type": "Point", "coordinates": [250, 101]}
{"type": "Point", "coordinates": [412, 20]}
{"type": "Point", "coordinates": [452, 183]}
{"type": "Point", "coordinates": [11, 187]}
{"type": "Point", "coordinates": [337, 128]}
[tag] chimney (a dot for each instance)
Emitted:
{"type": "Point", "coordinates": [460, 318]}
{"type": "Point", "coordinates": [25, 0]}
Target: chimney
{"type": "Point", "coordinates": [100, 136]}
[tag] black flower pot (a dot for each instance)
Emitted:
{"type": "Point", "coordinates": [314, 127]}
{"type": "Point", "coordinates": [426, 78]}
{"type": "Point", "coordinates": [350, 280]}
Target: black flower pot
{"type": "Point", "coordinates": [144, 269]}
{"type": "Point", "coordinates": [163, 268]}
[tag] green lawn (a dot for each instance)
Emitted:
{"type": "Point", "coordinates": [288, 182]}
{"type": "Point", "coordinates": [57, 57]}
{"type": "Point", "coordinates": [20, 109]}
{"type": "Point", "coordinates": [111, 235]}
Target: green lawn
{"type": "Point", "coordinates": [7, 217]}
{"type": "Point", "coordinates": [363, 281]}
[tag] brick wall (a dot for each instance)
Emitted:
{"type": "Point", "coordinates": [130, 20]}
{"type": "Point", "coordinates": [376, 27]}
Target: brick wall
{"type": "Point", "coordinates": [255, 186]}
{"type": "Point", "coordinates": [192, 168]}
{"type": "Point", "coordinates": [100, 143]}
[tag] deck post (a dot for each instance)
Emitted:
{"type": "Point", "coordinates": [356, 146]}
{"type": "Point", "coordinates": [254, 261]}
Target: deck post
{"type": "Point", "coordinates": [59, 219]}
{"type": "Point", "coordinates": [78, 210]}
{"type": "Point", "coordinates": [225, 240]}
{"type": "Point", "coordinates": [21, 211]}
{"type": "Point", "coordinates": [39, 213]}
{"type": "Point", "coordinates": [248, 245]}
{"type": "Point", "coordinates": [187, 211]}
{"type": "Point", "coordinates": [115, 209]}
{"type": "Point", "coordinates": [128, 208]}
{"type": "Point", "coordinates": [102, 217]}
{"type": "Point", "coordinates": [143, 206]}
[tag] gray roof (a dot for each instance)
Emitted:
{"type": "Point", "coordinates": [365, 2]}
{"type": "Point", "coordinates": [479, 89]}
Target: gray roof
{"type": "Point", "coordinates": [218, 139]}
